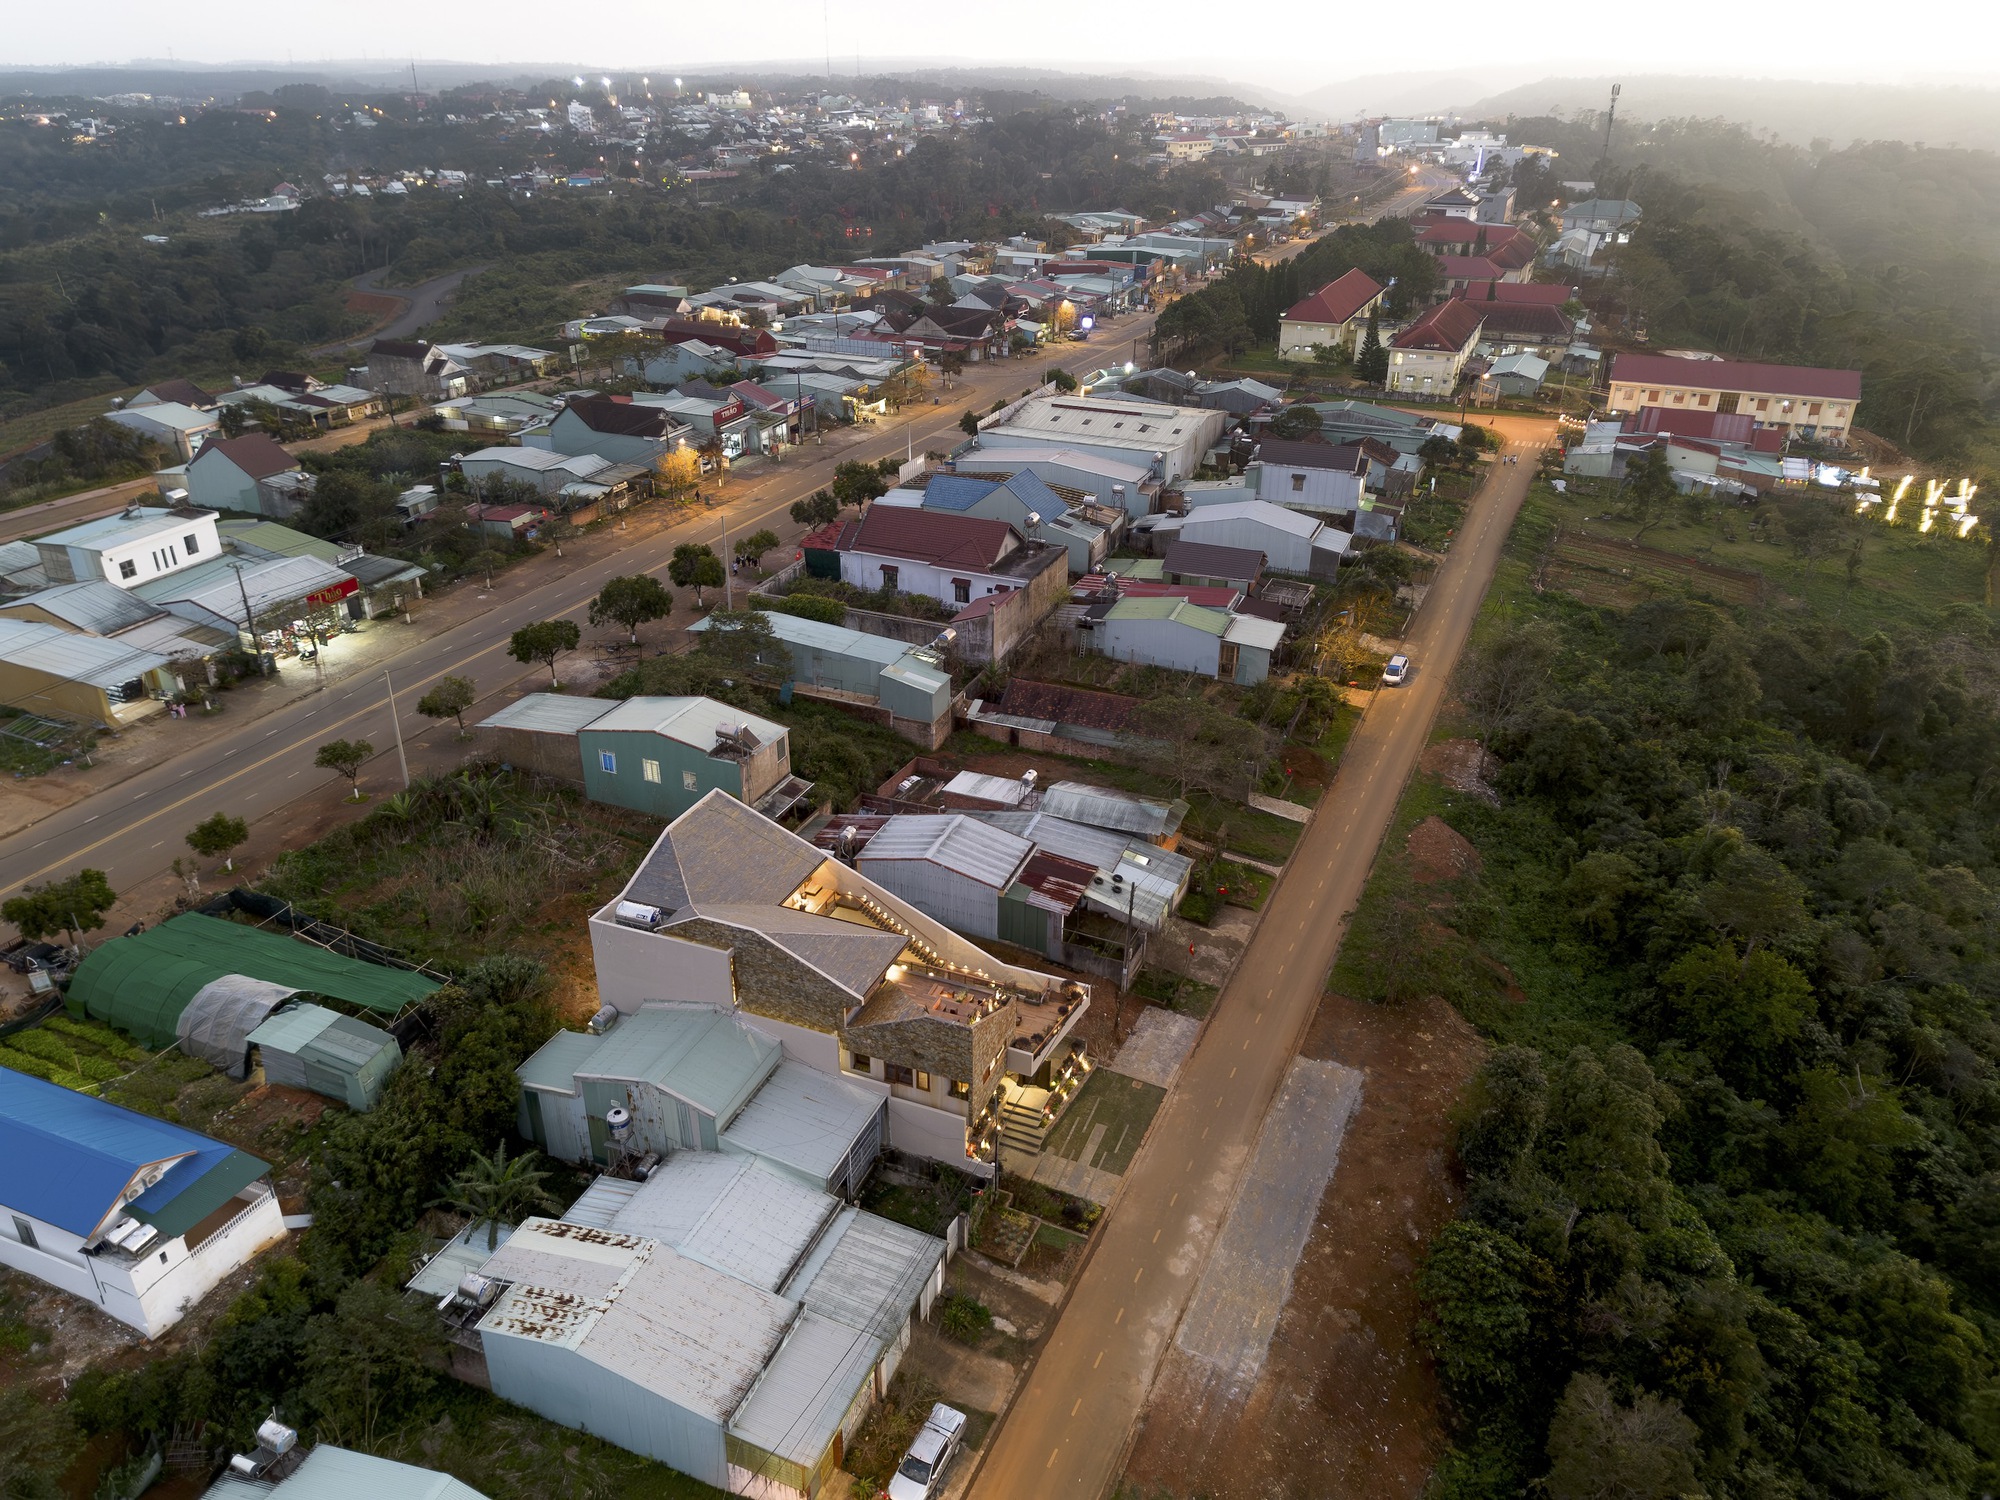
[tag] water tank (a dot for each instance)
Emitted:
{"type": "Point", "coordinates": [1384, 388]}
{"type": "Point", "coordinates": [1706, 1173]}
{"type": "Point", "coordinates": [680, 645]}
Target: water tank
{"type": "Point", "coordinates": [635, 914]}
{"type": "Point", "coordinates": [476, 1289]}
{"type": "Point", "coordinates": [604, 1020]}
{"type": "Point", "coordinates": [618, 1123]}
{"type": "Point", "coordinates": [276, 1436]}
{"type": "Point", "coordinates": [245, 1465]}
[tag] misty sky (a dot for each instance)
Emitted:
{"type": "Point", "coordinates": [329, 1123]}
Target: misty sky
{"type": "Point", "coordinates": [1291, 46]}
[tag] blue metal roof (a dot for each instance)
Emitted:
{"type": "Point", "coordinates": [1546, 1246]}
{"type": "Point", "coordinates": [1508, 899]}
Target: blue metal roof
{"type": "Point", "coordinates": [957, 492]}
{"type": "Point", "coordinates": [70, 1155]}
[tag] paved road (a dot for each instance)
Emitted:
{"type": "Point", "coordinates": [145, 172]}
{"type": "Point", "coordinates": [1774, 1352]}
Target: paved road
{"type": "Point", "coordinates": [1067, 1431]}
{"type": "Point", "coordinates": [133, 830]}
{"type": "Point", "coordinates": [421, 306]}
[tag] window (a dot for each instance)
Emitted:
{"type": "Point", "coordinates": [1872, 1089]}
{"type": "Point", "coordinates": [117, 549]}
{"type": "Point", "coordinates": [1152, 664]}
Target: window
{"type": "Point", "coordinates": [192, 543]}
{"type": "Point", "coordinates": [923, 1080]}
{"type": "Point", "coordinates": [128, 569]}
{"type": "Point", "coordinates": [1704, 398]}
{"type": "Point", "coordinates": [891, 575]}
{"type": "Point", "coordinates": [607, 762]}
{"type": "Point", "coordinates": [1813, 410]}
{"type": "Point", "coordinates": [898, 1073]}
{"type": "Point", "coordinates": [24, 1232]}
{"type": "Point", "coordinates": [960, 1089]}
{"type": "Point", "coordinates": [1298, 483]}
{"type": "Point", "coordinates": [961, 590]}
{"type": "Point", "coordinates": [688, 781]}
{"type": "Point", "coordinates": [858, 1062]}
{"type": "Point", "coordinates": [650, 769]}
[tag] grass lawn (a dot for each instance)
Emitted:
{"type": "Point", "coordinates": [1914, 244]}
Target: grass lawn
{"type": "Point", "coordinates": [1123, 1106]}
{"type": "Point", "coordinates": [927, 1206]}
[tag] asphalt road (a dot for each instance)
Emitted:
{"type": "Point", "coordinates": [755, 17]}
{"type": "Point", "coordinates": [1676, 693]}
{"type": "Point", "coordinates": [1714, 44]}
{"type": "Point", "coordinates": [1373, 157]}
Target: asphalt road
{"type": "Point", "coordinates": [1066, 1432]}
{"type": "Point", "coordinates": [133, 831]}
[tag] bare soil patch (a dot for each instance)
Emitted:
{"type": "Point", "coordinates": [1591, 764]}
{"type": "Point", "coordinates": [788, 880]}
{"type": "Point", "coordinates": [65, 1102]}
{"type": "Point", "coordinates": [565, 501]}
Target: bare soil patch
{"type": "Point", "coordinates": [1439, 852]}
{"type": "Point", "coordinates": [1464, 766]}
{"type": "Point", "coordinates": [1347, 1405]}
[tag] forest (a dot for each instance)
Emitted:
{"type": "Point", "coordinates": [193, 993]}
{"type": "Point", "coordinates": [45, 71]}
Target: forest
{"type": "Point", "coordinates": [1732, 1220]}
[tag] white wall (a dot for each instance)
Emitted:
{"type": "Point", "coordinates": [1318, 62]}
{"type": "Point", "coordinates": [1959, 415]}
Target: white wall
{"type": "Point", "coordinates": [157, 555]}
{"type": "Point", "coordinates": [635, 966]}
{"type": "Point", "coordinates": [1317, 489]}
{"type": "Point", "coordinates": [864, 571]}
{"type": "Point", "coordinates": [1161, 643]}
{"type": "Point", "coordinates": [1282, 550]}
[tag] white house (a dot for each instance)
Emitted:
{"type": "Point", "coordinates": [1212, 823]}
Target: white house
{"type": "Point", "coordinates": [1163, 631]}
{"type": "Point", "coordinates": [245, 473]}
{"type": "Point", "coordinates": [136, 1215]}
{"type": "Point", "coordinates": [180, 429]}
{"type": "Point", "coordinates": [1428, 357]}
{"type": "Point", "coordinates": [1308, 476]}
{"type": "Point", "coordinates": [1169, 440]}
{"type": "Point", "coordinates": [131, 548]}
{"type": "Point", "coordinates": [1331, 317]}
{"type": "Point", "coordinates": [1291, 540]}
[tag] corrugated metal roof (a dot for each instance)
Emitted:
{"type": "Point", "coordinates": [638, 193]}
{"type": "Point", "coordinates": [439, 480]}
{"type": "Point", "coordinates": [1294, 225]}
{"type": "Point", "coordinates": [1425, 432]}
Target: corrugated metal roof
{"type": "Point", "coordinates": [796, 630]}
{"type": "Point", "coordinates": [548, 713]}
{"type": "Point", "coordinates": [757, 1228]}
{"type": "Point", "coordinates": [269, 539]}
{"type": "Point", "coordinates": [803, 1119]}
{"type": "Point", "coordinates": [72, 657]}
{"type": "Point", "coordinates": [1005, 790]}
{"type": "Point", "coordinates": [695, 722]}
{"type": "Point", "coordinates": [1252, 630]}
{"type": "Point", "coordinates": [953, 842]}
{"type": "Point", "coordinates": [69, 1156]}
{"type": "Point", "coordinates": [867, 1272]}
{"type": "Point", "coordinates": [142, 983]}
{"type": "Point", "coordinates": [1108, 807]}
{"type": "Point", "coordinates": [98, 607]}
{"type": "Point", "coordinates": [802, 1395]}
{"type": "Point", "coordinates": [600, 1204]}
{"type": "Point", "coordinates": [463, 1252]}
{"type": "Point", "coordinates": [121, 529]}
{"type": "Point", "coordinates": [338, 1474]}
{"type": "Point", "coordinates": [1263, 512]}
{"type": "Point", "coordinates": [290, 1030]}
{"type": "Point", "coordinates": [219, 586]}
{"type": "Point", "coordinates": [699, 1053]}
{"type": "Point", "coordinates": [555, 1063]}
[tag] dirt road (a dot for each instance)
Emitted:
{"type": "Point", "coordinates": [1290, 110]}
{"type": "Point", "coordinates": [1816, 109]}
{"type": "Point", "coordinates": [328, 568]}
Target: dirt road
{"type": "Point", "coordinates": [1068, 1431]}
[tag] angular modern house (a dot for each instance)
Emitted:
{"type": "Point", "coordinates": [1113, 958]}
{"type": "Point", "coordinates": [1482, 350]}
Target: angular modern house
{"type": "Point", "coordinates": [731, 910]}
{"type": "Point", "coordinates": [128, 1212]}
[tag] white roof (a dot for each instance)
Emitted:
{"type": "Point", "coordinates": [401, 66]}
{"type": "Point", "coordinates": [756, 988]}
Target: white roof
{"type": "Point", "coordinates": [1101, 421]}
{"type": "Point", "coordinates": [1262, 512]}
{"type": "Point", "coordinates": [1109, 468]}
{"type": "Point", "coordinates": [72, 657]}
{"type": "Point", "coordinates": [1002, 789]}
{"type": "Point", "coordinates": [219, 586]}
{"type": "Point", "coordinates": [542, 460]}
{"type": "Point", "coordinates": [731, 1213]}
{"type": "Point", "coordinates": [953, 842]}
{"type": "Point", "coordinates": [1255, 630]}
{"type": "Point", "coordinates": [803, 1119]}
{"type": "Point", "coordinates": [166, 414]}
{"type": "Point", "coordinates": [548, 713]}
{"type": "Point", "coordinates": [122, 529]}
{"type": "Point", "coordinates": [697, 722]}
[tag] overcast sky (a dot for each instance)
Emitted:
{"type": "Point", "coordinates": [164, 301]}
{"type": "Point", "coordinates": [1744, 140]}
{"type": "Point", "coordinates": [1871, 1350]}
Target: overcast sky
{"type": "Point", "coordinates": [1291, 46]}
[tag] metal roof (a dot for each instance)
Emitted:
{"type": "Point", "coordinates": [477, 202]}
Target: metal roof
{"type": "Point", "coordinates": [1263, 512]}
{"type": "Point", "coordinates": [290, 1030]}
{"type": "Point", "coordinates": [269, 539]}
{"type": "Point", "coordinates": [339, 1474]}
{"type": "Point", "coordinates": [1213, 622]}
{"type": "Point", "coordinates": [72, 657]}
{"type": "Point", "coordinates": [699, 1053]}
{"type": "Point", "coordinates": [1255, 631]}
{"type": "Point", "coordinates": [696, 722]}
{"type": "Point", "coordinates": [219, 586]}
{"type": "Point", "coordinates": [1005, 790]}
{"type": "Point", "coordinates": [804, 1393]}
{"type": "Point", "coordinates": [731, 1213]}
{"type": "Point", "coordinates": [548, 713]}
{"type": "Point", "coordinates": [797, 630]}
{"type": "Point", "coordinates": [803, 1119]}
{"type": "Point", "coordinates": [867, 1272]}
{"type": "Point", "coordinates": [554, 1066]}
{"type": "Point", "coordinates": [1151, 879]}
{"type": "Point", "coordinates": [978, 851]}
{"type": "Point", "coordinates": [98, 607]}
{"type": "Point", "coordinates": [71, 1156]}
{"type": "Point", "coordinates": [142, 983]}
{"type": "Point", "coordinates": [463, 1252]}
{"type": "Point", "coordinates": [123, 528]}
{"type": "Point", "coordinates": [1108, 807]}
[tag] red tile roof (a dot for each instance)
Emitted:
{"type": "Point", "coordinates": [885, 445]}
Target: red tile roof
{"type": "Point", "coordinates": [1736, 375]}
{"type": "Point", "coordinates": [256, 454]}
{"type": "Point", "coordinates": [1469, 268]}
{"type": "Point", "coordinates": [1469, 232]}
{"type": "Point", "coordinates": [1446, 328]}
{"type": "Point", "coordinates": [1544, 293]}
{"type": "Point", "coordinates": [930, 536]}
{"type": "Point", "coordinates": [1539, 320]}
{"type": "Point", "coordinates": [1338, 300]}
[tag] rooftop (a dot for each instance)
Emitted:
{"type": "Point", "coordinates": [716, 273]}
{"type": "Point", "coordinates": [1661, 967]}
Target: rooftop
{"type": "Point", "coordinates": [1446, 328]}
{"type": "Point", "coordinates": [961, 845]}
{"type": "Point", "coordinates": [255, 453]}
{"type": "Point", "coordinates": [1337, 301]}
{"type": "Point", "coordinates": [41, 647]}
{"type": "Point", "coordinates": [1736, 375]}
{"type": "Point", "coordinates": [121, 530]}
{"type": "Point", "coordinates": [1285, 454]}
{"type": "Point", "coordinates": [339, 1474]}
{"type": "Point", "coordinates": [548, 713]}
{"type": "Point", "coordinates": [700, 723]}
{"type": "Point", "coordinates": [1206, 561]}
{"type": "Point", "coordinates": [699, 1053]}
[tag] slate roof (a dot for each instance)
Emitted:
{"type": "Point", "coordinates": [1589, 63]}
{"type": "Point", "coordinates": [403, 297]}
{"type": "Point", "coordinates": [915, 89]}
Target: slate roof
{"type": "Point", "coordinates": [620, 418]}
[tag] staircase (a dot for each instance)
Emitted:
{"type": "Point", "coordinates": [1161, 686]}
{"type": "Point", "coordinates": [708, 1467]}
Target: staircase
{"type": "Point", "coordinates": [1021, 1125]}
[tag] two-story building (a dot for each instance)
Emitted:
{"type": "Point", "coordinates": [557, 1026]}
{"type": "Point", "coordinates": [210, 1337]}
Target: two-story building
{"type": "Point", "coordinates": [611, 427]}
{"type": "Point", "coordinates": [1428, 357]}
{"type": "Point", "coordinates": [406, 367]}
{"type": "Point", "coordinates": [1331, 318]}
{"type": "Point", "coordinates": [1800, 400]}
{"type": "Point", "coordinates": [130, 548]}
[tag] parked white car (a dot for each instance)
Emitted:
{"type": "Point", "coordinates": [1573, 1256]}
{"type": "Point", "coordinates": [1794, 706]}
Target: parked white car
{"type": "Point", "coordinates": [920, 1475]}
{"type": "Point", "coordinates": [1397, 672]}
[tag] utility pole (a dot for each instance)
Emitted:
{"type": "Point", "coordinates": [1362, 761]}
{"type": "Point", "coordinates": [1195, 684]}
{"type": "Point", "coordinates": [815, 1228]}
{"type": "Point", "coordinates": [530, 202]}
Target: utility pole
{"type": "Point", "coordinates": [728, 573]}
{"type": "Point", "coordinates": [1610, 115]}
{"type": "Point", "coordinates": [396, 725]}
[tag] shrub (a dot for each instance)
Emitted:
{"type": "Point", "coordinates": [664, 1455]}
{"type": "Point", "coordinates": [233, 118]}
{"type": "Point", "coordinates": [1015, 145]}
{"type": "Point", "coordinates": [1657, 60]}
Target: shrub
{"type": "Point", "coordinates": [964, 1318]}
{"type": "Point", "coordinates": [1199, 906]}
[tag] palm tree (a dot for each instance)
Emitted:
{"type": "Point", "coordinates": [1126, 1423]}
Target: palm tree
{"type": "Point", "coordinates": [498, 1190]}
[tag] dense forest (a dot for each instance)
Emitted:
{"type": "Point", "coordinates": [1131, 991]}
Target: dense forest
{"type": "Point", "coordinates": [1733, 1222]}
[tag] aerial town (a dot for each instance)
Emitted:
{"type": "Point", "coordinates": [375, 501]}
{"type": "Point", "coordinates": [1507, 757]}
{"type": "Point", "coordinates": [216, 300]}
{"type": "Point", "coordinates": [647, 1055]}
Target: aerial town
{"type": "Point", "coordinates": [838, 786]}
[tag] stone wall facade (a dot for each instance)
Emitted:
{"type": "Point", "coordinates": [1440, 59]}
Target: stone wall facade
{"type": "Point", "coordinates": [769, 981]}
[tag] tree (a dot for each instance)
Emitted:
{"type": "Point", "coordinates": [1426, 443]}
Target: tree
{"type": "Point", "coordinates": [485, 560]}
{"type": "Point", "coordinates": [1649, 489]}
{"type": "Point", "coordinates": [752, 548]}
{"type": "Point", "coordinates": [1063, 381]}
{"type": "Point", "coordinates": [449, 699]}
{"type": "Point", "coordinates": [1600, 1449]}
{"type": "Point", "coordinates": [969, 425]}
{"type": "Point", "coordinates": [680, 470]}
{"type": "Point", "coordinates": [1295, 422]}
{"type": "Point", "coordinates": [346, 757]}
{"type": "Point", "coordinates": [631, 600]}
{"type": "Point", "coordinates": [740, 645]}
{"type": "Point", "coordinates": [71, 906]}
{"type": "Point", "coordinates": [498, 1191]}
{"type": "Point", "coordinates": [375, 1356]}
{"type": "Point", "coordinates": [38, 1441]}
{"type": "Point", "coordinates": [712, 454]}
{"type": "Point", "coordinates": [1437, 452]}
{"type": "Point", "coordinates": [1372, 363]}
{"type": "Point", "coordinates": [544, 641]}
{"type": "Point", "coordinates": [856, 483]}
{"type": "Point", "coordinates": [1202, 746]}
{"type": "Point", "coordinates": [1743, 1011]}
{"type": "Point", "coordinates": [218, 835]}
{"type": "Point", "coordinates": [695, 566]}
{"type": "Point", "coordinates": [939, 291]}
{"type": "Point", "coordinates": [818, 509]}
{"type": "Point", "coordinates": [952, 362]}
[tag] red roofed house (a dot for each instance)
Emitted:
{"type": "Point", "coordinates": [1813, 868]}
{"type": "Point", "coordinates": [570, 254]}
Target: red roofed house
{"type": "Point", "coordinates": [1428, 357]}
{"type": "Point", "coordinates": [1805, 402]}
{"type": "Point", "coordinates": [1539, 293]}
{"type": "Point", "coordinates": [740, 340]}
{"type": "Point", "coordinates": [1333, 315]}
{"type": "Point", "coordinates": [1002, 583]}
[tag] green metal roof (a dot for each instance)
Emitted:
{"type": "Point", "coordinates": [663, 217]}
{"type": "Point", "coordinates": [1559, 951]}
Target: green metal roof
{"type": "Point", "coordinates": [204, 1196]}
{"type": "Point", "coordinates": [141, 984]}
{"type": "Point", "coordinates": [1214, 621]}
{"type": "Point", "coordinates": [554, 1066]}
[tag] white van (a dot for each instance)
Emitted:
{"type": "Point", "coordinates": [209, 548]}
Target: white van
{"type": "Point", "coordinates": [921, 1473]}
{"type": "Point", "coordinates": [1397, 672]}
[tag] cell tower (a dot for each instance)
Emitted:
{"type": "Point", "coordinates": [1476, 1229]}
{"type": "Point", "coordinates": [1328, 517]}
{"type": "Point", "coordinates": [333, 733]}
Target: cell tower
{"type": "Point", "coordinates": [1610, 115]}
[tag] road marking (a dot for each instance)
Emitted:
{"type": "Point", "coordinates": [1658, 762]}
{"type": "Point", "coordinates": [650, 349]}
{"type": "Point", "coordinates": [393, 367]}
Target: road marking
{"type": "Point", "coordinates": [1052, 1458]}
{"type": "Point", "coordinates": [155, 846]}
{"type": "Point", "coordinates": [1097, 1361]}
{"type": "Point", "coordinates": [1258, 1022]}
{"type": "Point", "coordinates": [93, 817]}
{"type": "Point", "coordinates": [1204, 1136]}
{"type": "Point", "coordinates": [1156, 1236]}
{"type": "Point", "coordinates": [1246, 1044]}
{"type": "Point", "coordinates": [1173, 1200]}
{"type": "Point", "coordinates": [1232, 1072]}
{"type": "Point", "coordinates": [1119, 1319]}
{"type": "Point", "coordinates": [1078, 1407]}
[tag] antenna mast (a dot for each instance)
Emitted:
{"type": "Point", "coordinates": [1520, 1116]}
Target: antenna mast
{"type": "Point", "coordinates": [1610, 115]}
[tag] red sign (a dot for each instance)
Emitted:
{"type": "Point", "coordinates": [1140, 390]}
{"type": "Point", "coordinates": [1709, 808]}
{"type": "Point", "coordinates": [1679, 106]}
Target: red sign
{"type": "Point", "coordinates": [335, 594]}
